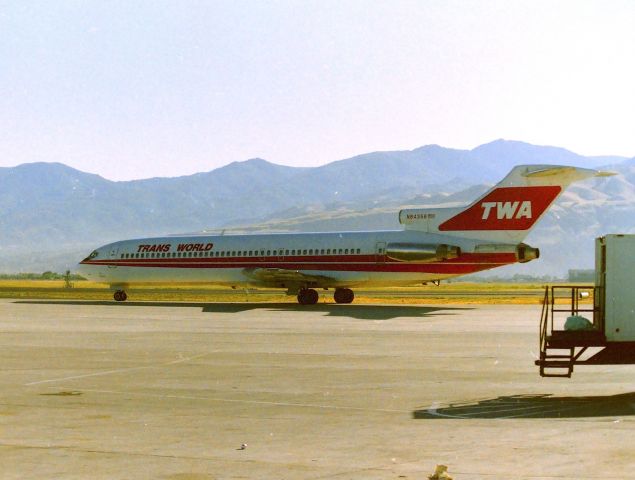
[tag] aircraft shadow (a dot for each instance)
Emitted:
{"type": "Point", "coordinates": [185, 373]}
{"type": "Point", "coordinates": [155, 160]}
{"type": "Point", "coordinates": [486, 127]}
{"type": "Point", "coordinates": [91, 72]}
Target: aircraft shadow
{"type": "Point", "coordinates": [362, 312]}
{"type": "Point", "coordinates": [534, 406]}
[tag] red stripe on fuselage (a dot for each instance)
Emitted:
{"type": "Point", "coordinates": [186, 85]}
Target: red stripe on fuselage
{"type": "Point", "coordinates": [466, 263]}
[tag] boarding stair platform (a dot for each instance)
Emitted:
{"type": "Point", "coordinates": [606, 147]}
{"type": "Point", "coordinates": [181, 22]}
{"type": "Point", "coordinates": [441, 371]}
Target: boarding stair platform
{"type": "Point", "coordinates": [561, 349]}
{"type": "Point", "coordinates": [605, 335]}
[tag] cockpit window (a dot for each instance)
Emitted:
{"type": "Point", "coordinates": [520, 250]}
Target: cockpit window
{"type": "Point", "coordinates": [93, 255]}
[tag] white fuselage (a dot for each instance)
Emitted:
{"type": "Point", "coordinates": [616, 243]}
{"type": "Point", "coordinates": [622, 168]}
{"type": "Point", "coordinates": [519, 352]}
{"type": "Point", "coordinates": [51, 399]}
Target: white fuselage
{"type": "Point", "coordinates": [325, 260]}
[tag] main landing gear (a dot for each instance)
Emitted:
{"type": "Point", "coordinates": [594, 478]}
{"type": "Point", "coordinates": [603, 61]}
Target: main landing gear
{"type": "Point", "coordinates": [120, 296]}
{"type": "Point", "coordinates": [343, 295]}
{"type": "Point", "coordinates": [308, 296]}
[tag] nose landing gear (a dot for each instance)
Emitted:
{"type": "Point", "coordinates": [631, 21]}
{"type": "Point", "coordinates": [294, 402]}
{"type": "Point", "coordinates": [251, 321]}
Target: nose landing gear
{"type": "Point", "coordinates": [120, 296]}
{"type": "Point", "coordinates": [343, 295]}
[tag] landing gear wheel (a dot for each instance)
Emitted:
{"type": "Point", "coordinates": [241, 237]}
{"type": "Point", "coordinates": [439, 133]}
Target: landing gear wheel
{"type": "Point", "coordinates": [120, 296]}
{"type": "Point", "coordinates": [308, 296]}
{"type": "Point", "coordinates": [343, 295]}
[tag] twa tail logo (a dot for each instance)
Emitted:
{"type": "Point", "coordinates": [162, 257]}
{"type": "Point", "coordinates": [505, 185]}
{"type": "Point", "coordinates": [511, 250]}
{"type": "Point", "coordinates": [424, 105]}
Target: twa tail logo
{"type": "Point", "coordinates": [505, 208]}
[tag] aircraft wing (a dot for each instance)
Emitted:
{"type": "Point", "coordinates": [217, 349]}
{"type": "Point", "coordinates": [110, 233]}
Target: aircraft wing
{"type": "Point", "coordinates": [281, 276]}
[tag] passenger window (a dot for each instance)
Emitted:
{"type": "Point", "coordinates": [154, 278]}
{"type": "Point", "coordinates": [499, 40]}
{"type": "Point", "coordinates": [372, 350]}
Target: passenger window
{"type": "Point", "coordinates": [292, 252]}
{"type": "Point", "coordinates": [322, 252]}
{"type": "Point", "coordinates": [286, 252]}
{"type": "Point", "coordinates": [358, 251]}
{"type": "Point", "coordinates": [340, 252]}
{"type": "Point", "coordinates": [328, 251]}
{"type": "Point", "coordinates": [303, 252]}
{"type": "Point", "coordinates": [250, 253]}
{"type": "Point", "coordinates": [310, 252]}
{"type": "Point", "coordinates": [274, 252]}
{"type": "Point", "coordinates": [346, 251]}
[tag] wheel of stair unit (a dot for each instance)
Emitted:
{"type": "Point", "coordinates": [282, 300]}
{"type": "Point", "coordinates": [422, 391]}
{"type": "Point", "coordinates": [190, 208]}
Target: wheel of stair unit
{"type": "Point", "coordinates": [343, 295]}
{"type": "Point", "coordinates": [307, 296]}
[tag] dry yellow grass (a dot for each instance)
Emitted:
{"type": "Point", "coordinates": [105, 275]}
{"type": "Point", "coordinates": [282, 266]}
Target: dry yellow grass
{"type": "Point", "coordinates": [449, 293]}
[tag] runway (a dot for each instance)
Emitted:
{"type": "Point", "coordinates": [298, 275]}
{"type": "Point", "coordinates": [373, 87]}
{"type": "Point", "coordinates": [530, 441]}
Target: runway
{"type": "Point", "coordinates": [171, 391]}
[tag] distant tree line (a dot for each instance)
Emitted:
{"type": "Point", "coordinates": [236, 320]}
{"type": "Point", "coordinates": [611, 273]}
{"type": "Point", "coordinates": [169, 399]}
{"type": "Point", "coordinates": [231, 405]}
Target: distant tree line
{"type": "Point", "coordinates": [41, 276]}
{"type": "Point", "coordinates": [517, 278]}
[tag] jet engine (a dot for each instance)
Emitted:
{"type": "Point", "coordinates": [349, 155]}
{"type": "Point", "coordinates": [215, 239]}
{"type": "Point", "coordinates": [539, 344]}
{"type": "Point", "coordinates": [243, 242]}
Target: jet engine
{"type": "Point", "coordinates": [524, 253]}
{"type": "Point", "coordinates": [421, 252]}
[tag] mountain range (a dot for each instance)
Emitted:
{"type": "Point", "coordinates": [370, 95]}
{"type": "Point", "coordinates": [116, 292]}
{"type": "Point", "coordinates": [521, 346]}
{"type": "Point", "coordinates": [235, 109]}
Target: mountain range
{"type": "Point", "coordinates": [53, 215]}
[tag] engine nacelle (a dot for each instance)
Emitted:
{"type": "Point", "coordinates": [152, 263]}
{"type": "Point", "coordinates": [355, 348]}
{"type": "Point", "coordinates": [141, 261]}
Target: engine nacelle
{"type": "Point", "coordinates": [524, 253]}
{"type": "Point", "coordinates": [421, 253]}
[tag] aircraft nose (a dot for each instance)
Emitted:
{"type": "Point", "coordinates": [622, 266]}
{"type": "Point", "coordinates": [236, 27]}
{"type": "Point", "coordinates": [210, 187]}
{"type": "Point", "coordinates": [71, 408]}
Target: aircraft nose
{"type": "Point", "coordinates": [81, 268]}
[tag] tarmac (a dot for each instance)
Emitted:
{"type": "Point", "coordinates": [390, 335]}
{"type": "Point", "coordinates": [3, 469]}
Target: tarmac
{"type": "Point", "coordinates": [277, 391]}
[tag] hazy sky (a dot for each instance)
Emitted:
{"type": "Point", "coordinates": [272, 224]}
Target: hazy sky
{"type": "Point", "coordinates": [134, 89]}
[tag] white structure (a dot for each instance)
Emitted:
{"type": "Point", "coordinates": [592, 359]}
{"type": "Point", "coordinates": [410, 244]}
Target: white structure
{"type": "Point", "coordinates": [615, 277]}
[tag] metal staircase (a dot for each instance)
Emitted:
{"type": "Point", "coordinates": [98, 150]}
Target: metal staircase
{"type": "Point", "coordinates": [561, 349]}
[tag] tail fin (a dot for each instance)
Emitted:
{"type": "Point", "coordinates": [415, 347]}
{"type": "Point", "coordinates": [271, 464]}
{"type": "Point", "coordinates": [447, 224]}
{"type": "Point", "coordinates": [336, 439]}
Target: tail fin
{"type": "Point", "coordinates": [510, 209]}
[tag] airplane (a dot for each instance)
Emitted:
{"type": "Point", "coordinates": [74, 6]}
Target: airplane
{"type": "Point", "coordinates": [435, 244]}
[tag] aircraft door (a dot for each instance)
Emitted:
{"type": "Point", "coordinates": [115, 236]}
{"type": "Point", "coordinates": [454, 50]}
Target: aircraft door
{"type": "Point", "coordinates": [380, 252]}
{"type": "Point", "coordinates": [113, 254]}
